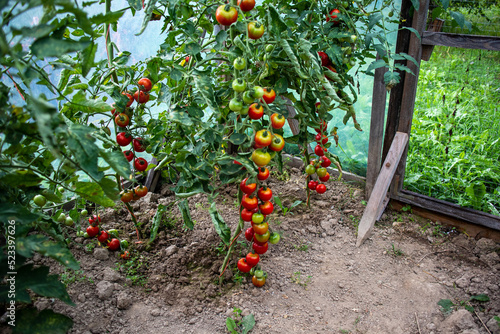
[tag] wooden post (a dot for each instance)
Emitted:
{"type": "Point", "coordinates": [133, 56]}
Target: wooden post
{"type": "Point", "coordinates": [435, 26]}
{"type": "Point", "coordinates": [410, 90]}
{"type": "Point", "coordinates": [375, 203]}
{"type": "Point", "coordinates": [376, 130]}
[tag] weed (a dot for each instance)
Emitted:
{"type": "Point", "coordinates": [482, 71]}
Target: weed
{"type": "Point", "coordinates": [70, 276]}
{"type": "Point", "coordinates": [89, 248]}
{"type": "Point", "coordinates": [298, 279]}
{"type": "Point", "coordinates": [447, 306]}
{"type": "Point", "coordinates": [239, 324]}
{"type": "Point", "coordinates": [344, 331]}
{"type": "Point", "coordinates": [394, 251]}
{"type": "Point", "coordinates": [285, 176]}
{"type": "Point", "coordinates": [284, 209]}
{"type": "Point", "coordinates": [135, 269]}
{"type": "Point", "coordinates": [303, 247]}
{"type": "Point", "coordinates": [355, 221]}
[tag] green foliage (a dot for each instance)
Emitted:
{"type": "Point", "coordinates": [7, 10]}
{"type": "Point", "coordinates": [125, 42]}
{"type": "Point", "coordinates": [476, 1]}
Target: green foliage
{"type": "Point", "coordinates": [297, 278]}
{"type": "Point", "coordinates": [29, 320]}
{"type": "Point", "coordinates": [240, 324]}
{"type": "Point", "coordinates": [135, 269]}
{"type": "Point", "coordinates": [447, 306]}
{"type": "Point", "coordinates": [454, 142]}
{"type": "Point", "coordinates": [284, 209]}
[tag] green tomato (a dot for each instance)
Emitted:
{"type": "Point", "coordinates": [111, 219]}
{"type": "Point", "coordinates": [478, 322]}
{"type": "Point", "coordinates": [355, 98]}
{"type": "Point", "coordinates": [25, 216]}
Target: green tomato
{"type": "Point", "coordinates": [123, 244]}
{"type": "Point", "coordinates": [239, 85]}
{"type": "Point", "coordinates": [269, 48]}
{"type": "Point", "coordinates": [258, 92]}
{"type": "Point", "coordinates": [259, 273]}
{"type": "Point", "coordinates": [274, 238]}
{"type": "Point", "coordinates": [113, 233]}
{"type": "Point", "coordinates": [310, 169]}
{"type": "Point", "coordinates": [252, 271]}
{"type": "Point", "coordinates": [244, 111]}
{"type": "Point", "coordinates": [40, 200]}
{"type": "Point", "coordinates": [235, 105]}
{"type": "Point", "coordinates": [61, 218]}
{"type": "Point", "coordinates": [69, 221]}
{"type": "Point", "coordinates": [248, 97]}
{"type": "Point", "coordinates": [353, 38]}
{"type": "Point", "coordinates": [240, 63]}
{"type": "Point", "coordinates": [84, 212]}
{"type": "Point", "coordinates": [257, 218]}
{"type": "Point", "coordinates": [321, 171]}
{"type": "Point", "coordinates": [85, 235]}
{"type": "Point", "coordinates": [60, 189]}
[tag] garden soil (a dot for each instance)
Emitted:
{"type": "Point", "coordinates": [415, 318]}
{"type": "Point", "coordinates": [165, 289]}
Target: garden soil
{"type": "Point", "coordinates": [318, 280]}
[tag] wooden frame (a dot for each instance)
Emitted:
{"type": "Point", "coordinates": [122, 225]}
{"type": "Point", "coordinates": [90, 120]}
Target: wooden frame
{"type": "Point", "coordinates": [400, 115]}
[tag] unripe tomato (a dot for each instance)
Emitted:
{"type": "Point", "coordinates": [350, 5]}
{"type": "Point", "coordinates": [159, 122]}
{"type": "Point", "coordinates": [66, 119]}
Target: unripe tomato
{"type": "Point", "coordinates": [269, 95]}
{"type": "Point", "coordinates": [274, 238]}
{"type": "Point", "coordinates": [321, 171]}
{"type": "Point", "coordinates": [257, 218]}
{"type": "Point", "coordinates": [321, 188]}
{"type": "Point", "coordinates": [129, 155]}
{"type": "Point", "coordinates": [69, 221]}
{"type": "Point", "coordinates": [263, 138]}
{"type": "Point", "coordinates": [123, 244]}
{"type": "Point", "coordinates": [246, 5]}
{"type": "Point", "coordinates": [258, 92]}
{"type": "Point", "coordinates": [61, 218]}
{"type": "Point", "coordinates": [261, 158]}
{"type": "Point", "coordinates": [310, 169]}
{"type": "Point", "coordinates": [265, 194]}
{"type": "Point", "coordinates": [140, 164]}
{"type": "Point", "coordinates": [239, 85]}
{"type": "Point", "coordinates": [255, 30]}
{"type": "Point", "coordinates": [141, 97]}
{"type": "Point", "coordinates": [252, 259]}
{"type": "Point", "coordinates": [318, 150]}
{"type": "Point", "coordinates": [260, 228]}
{"type": "Point", "coordinates": [243, 266]}
{"type": "Point", "coordinates": [263, 173]}
{"type": "Point", "coordinates": [262, 238]}
{"type": "Point", "coordinates": [40, 200]}
{"type": "Point", "coordinates": [325, 178]}
{"type": "Point", "coordinates": [226, 15]}
{"type": "Point", "coordinates": [235, 105]}
{"type": "Point", "coordinates": [84, 212]}
{"type": "Point", "coordinates": [277, 121]}
{"type": "Point", "coordinates": [277, 143]}
{"type": "Point", "coordinates": [145, 84]}
{"type": "Point", "coordinates": [248, 97]}
{"type": "Point", "coordinates": [239, 63]}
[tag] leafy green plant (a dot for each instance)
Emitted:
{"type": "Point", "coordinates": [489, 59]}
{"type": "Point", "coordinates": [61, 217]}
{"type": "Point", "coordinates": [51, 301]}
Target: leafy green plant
{"type": "Point", "coordinates": [69, 277]}
{"type": "Point", "coordinates": [297, 278]}
{"type": "Point", "coordinates": [285, 210]}
{"type": "Point", "coordinates": [239, 324]}
{"type": "Point", "coordinates": [135, 269]}
{"type": "Point", "coordinates": [447, 306]}
{"type": "Point", "coordinates": [394, 251]}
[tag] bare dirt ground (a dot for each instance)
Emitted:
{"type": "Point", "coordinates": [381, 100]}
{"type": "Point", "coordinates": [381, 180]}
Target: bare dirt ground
{"type": "Point", "coordinates": [318, 280]}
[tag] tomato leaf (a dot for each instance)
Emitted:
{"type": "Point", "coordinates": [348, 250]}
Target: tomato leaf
{"type": "Point", "coordinates": [136, 4]}
{"type": "Point", "coordinates": [220, 39]}
{"type": "Point", "coordinates": [281, 86]}
{"type": "Point", "coordinates": [238, 138]}
{"type": "Point", "coordinates": [110, 17]}
{"type": "Point", "coordinates": [43, 245]}
{"type": "Point", "coordinates": [247, 323]}
{"type": "Point", "coordinates": [376, 64]}
{"type": "Point", "coordinates": [87, 58]}
{"type": "Point", "coordinates": [20, 178]}
{"type": "Point", "coordinates": [375, 17]}
{"type": "Point", "coordinates": [118, 162]}
{"type": "Point", "coordinates": [29, 320]}
{"type": "Point", "coordinates": [231, 326]}
{"type": "Point", "coordinates": [180, 117]}
{"type": "Point", "coordinates": [165, 96]}
{"type": "Point", "coordinates": [275, 22]}
{"type": "Point", "coordinates": [416, 4]}
{"type": "Point", "coordinates": [52, 47]}
{"type": "Point", "coordinates": [17, 213]}
{"type": "Point", "coordinates": [220, 225]}
{"type": "Point", "coordinates": [193, 48]}
{"type": "Point", "coordinates": [93, 192]}
{"type": "Point", "coordinates": [81, 143]}
{"type": "Point", "coordinates": [186, 215]}
{"type": "Point", "coordinates": [150, 6]}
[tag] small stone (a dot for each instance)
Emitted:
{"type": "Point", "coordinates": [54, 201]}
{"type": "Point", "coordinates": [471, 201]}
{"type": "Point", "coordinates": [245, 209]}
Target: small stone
{"type": "Point", "coordinates": [81, 298]}
{"type": "Point", "coordinates": [170, 250]}
{"type": "Point", "coordinates": [318, 308]}
{"type": "Point", "coordinates": [485, 245]}
{"type": "Point", "coordinates": [104, 290]}
{"type": "Point", "coordinates": [101, 254]}
{"type": "Point", "coordinates": [492, 258]}
{"type": "Point", "coordinates": [111, 275]}
{"type": "Point", "coordinates": [123, 301]}
{"type": "Point", "coordinates": [156, 312]}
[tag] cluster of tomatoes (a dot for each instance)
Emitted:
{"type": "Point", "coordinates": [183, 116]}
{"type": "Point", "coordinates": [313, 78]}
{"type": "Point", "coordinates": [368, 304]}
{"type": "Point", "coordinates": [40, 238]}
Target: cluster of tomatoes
{"type": "Point", "coordinates": [227, 15]}
{"type": "Point", "coordinates": [108, 239]}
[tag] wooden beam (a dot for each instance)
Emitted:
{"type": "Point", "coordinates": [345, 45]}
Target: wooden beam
{"type": "Point", "coordinates": [410, 89]}
{"type": "Point", "coordinates": [379, 193]}
{"type": "Point", "coordinates": [453, 210]}
{"type": "Point", "coordinates": [402, 45]}
{"type": "Point", "coordinates": [461, 40]}
{"type": "Point", "coordinates": [472, 230]}
{"type": "Point", "coordinates": [435, 26]}
{"type": "Point", "coordinates": [376, 130]}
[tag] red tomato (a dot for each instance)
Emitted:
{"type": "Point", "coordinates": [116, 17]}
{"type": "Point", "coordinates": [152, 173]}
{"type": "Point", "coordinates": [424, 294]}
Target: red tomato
{"type": "Point", "coordinates": [127, 196]}
{"type": "Point", "coordinates": [269, 96]}
{"type": "Point", "coordinates": [320, 138]}
{"type": "Point", "coordinates": [322, 127]}
{"type": "Point", "coordinates": [266, 208]}
{"type": "Point", "coordinates": [243, 266]}
{"type": "Point", "coordinates": [122, 120]}
{"type": "Point", "coordinates": [128, 154]}
{"type": "Point", "coordinates": [246, 215]}
{"type": "Point", "coordinates": [139, 145]}
{"type": "Point", "coordinates": [263, 173]}
{"type": "Point", "coordinates": [103, 237]}
{"type": "Point", "coordinates": [263, 138]}
{"type": "Point", "coordinates": [252, 259]}
{"type": "Point", "coordinates": [325, 162]}
{"type": "Point", "coordinates": [246, 5]}
{"type": "Point", "coordinates": [255, 111]}
{"type": "Point", "coordinates": [141, 97]}
{"type": "Point", "coordinates": [318, 150]}
{"type": "Point", "coordinates": [321, 188]}
{"type": "Point", "coordinates": [249, 233]}
{"type": "Point", "coordinates": [92, 231]}
{"type": "Point", "coordinates": [226, 15]}
{"type": "Point", "coordinates": [258, 281]}
{"type": "Point", "coordinates": [247, 188]}
{"type": "Point", "coordinates": [130, 99]}
{"type": "Point", "coordinates": [325, 60]}
{"type": "Point", "coordinates": [333, 17]}
{"type": "Point", "coordinates": [123, 138]}
{"type": "Point", "coordinates": [141, 190]}
{"type": "Point", "coordinates": [265, 194]}
{"type": "Point", "coordinates": [145, 84]}
{"type": "Point", "coordinates": [312, 185]}
{"type": "Point", "coordinates": [140, 164]}
{"type": "Point", "coordinates": [277, 121]}
{"type": "Point", "coordinates": [260, 249]}
{"type": "Point", "coordinates": [114, 244]}
{"type": "Point", "coordinates": [325, 178]}
{"type": "Point", "coordinates": [249, 203]}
